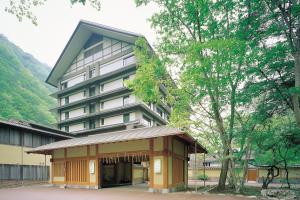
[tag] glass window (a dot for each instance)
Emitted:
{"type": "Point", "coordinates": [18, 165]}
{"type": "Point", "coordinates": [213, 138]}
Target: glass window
{"type": "Point", "coordinates": [92, 73]}
{"type": "Point", "coordinates": [92, 108]}
{"type": "Point", "coordinates": [66, 115]}
{"type": "Point", "coordinates": [92, 91]}
{"type": "Point", "coordinates": [36, 140]}
{"type": "Point", "coordinates": [92, 124]}
{"type": "Point", "coordinates": [126, 118]}
{"type": "Point", "coordinates": [160, 112]}
{"type": "Point", "coordinates": [102, 105]}
{"type": "Point", "coordinates": [66, 100]}
{"type": "Point", "coordinates": [93, 51]}
{"type": "Point", "coordinates": [64, 85]}
{"type": "Point", "coordinates": [4, 136]}
{"type": "Point", "coordinates": [67, 128]}
{"type": "Point", "coordinates": [102, 88]}
{"type": "Point", "coordinates": [102, 121]}
{"type": "Point", "coordinates": [28, 139]}
{"type": "Point", "coordinates": [14, 137]}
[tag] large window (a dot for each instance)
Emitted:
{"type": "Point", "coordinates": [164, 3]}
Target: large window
{"type": "Point", "coordinates": [14, 137]}
{"type": "Point", "coordinates": [92, 124]}
{"type": "Point", "coordinates": [126, 118]}
{"type": "Point", "coordinates": [93, 51]}
{"type": "Point", "coordinates": [92, 107]}
{"type": "Point", "coordinates": [4, 136]}
{"type": "Point", "coordinates": [92, 91]}
{"type": "Point", "coordinates": [27, 139]}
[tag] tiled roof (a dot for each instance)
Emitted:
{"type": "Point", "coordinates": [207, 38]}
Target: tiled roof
{"type": "Point", "coordinates": [118, 136]}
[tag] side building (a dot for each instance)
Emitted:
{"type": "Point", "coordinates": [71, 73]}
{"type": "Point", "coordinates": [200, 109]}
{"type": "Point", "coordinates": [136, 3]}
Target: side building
{"type": "Point", "coordinates": [18, 137]}
{"type": "Point", "coordinates": [90, 75]}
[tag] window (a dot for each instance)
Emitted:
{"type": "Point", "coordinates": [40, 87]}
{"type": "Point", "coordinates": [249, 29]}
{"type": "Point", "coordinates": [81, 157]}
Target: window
{"type": "Point", "coordinates": [125, 100]}
{"type": "Point", "coordinates": [84, 93]}
{"type": "Point", "coordinates": [27, 139]}
{"type": "Point", "coordinates": [93, 51]}
{"type": "Point", "coordinates": [84, 76]}
{"type": "Point", "coordinates": [66, 100]}
{"type": "Point", "coordinates": [84, 109]}
{"type": "Point", "coordinates": [92, 91]}
{"type": "Point", "coordinates": [67, 128]}
{"type": "Point", "coordinates": [102, 88]}
{"type": "Point", "coordinates": [125, 79]}
{"type": "Point", "coordinates": [66, 115]}
{"type": "Point", "coordinates": [92, 108]}
{"type": "Point", "coordinates": [84, 125]}
{"type": "Point", "coordinates": [128, 60]}
{"type": "Point", "coordinates": [126, 118]}
{"type": "Point", "coordinates": [64, 85]}
{"type": "Point", "coordinates": [36, 140]}
{"type": "Point", "coordinates": [92, 124]}
{"type": "Point", "coordinates": [102, 121]}
{"type": "Point", "coordinates": [92, 73]}
{"type": "Point", "coordinates": [4, 135]}
{"type": "Point", "coordinates": [102, 105]}
{"type": "Point", "coordinates": [14, 137]}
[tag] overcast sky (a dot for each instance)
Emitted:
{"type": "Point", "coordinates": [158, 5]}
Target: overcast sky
{"type": "Point", "coordinates": [57, 20]}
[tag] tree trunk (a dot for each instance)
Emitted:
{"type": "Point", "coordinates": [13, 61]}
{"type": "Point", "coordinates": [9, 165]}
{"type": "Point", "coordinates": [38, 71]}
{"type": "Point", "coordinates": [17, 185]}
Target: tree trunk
{"type": "Point", "coordinates": [224, 170]}
{"type": "Point", "coordinates": [295, 97]}
{"type": "Point", "coordinates": [287, 174]}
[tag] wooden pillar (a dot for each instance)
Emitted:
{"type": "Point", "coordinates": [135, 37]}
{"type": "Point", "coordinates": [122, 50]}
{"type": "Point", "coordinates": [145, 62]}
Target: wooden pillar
{"type": "Point", "coordinates": [88, 164]}
{"type": "Point", "coordinates": [98, 167]}
{"type": "Point", "coordinates": [65, 166]}
{"type": "Point", "coordinates": [151, 163]}
{"type": "Point", "coordinates": [165, 162]}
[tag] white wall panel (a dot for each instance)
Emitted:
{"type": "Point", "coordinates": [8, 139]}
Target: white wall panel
{"type": "Point", "coordinates": [76, 127]}
{"type": "Point", "coordinates": [113, 120]}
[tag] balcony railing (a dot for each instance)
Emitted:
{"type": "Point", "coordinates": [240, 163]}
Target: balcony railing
{"type": "Point", "coordinates": [105, 53]}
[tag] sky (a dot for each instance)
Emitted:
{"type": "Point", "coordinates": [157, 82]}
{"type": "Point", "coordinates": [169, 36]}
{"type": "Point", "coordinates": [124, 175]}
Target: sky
{"type": "Point", "coordinates": [57, 20]}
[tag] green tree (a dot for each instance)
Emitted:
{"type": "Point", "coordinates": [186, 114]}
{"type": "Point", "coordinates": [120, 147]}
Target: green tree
{"type": "Point", "coordinates": [200, 40]}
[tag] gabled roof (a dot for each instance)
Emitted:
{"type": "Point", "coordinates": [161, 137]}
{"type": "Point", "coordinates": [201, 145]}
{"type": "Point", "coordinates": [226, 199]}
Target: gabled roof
{"type": "Point", "coordinates": [81, 34]}
{"type": "Point", "coordinates": [119, 136]}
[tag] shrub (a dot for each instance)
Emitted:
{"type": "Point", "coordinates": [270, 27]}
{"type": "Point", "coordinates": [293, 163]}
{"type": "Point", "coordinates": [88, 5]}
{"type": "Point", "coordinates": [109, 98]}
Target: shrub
{"type": "Point", "coordinates": [202, 177]}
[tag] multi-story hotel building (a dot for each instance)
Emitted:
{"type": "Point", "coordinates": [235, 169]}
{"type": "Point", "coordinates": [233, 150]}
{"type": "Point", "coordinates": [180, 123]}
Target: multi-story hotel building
{"type": "Point", "coordinates": [90, 75]}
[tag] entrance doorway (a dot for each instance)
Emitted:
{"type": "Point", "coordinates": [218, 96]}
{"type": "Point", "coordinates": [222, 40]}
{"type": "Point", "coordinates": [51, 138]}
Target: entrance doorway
{"type": "Point", "coordinates": [122, 171]}
{"type": "Point", "coordinates": [252, 175]}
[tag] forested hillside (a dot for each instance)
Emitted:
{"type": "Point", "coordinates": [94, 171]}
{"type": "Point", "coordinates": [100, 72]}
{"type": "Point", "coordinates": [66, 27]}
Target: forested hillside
{"type": "Point", "coordinates": [24, 95]}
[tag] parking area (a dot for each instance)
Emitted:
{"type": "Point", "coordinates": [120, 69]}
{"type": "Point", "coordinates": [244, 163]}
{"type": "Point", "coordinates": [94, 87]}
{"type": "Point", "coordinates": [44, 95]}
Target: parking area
{"type": "Point", "coordinates": [118, 193]}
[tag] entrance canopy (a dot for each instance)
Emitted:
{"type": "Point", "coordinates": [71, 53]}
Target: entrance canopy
{"type": "Point", "coordinates": [126, 135]}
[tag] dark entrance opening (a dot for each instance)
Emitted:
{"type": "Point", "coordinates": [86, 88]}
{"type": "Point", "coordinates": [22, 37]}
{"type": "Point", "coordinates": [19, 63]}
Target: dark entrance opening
{"type": "Point", "coordinates": [115, 173]}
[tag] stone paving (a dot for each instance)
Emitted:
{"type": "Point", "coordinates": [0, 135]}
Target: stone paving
{"type": "Point", "coordinates": [120, 193]}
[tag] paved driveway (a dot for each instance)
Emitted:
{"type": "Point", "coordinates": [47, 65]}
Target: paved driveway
{"type": "Point", "coordinates": [50, 193]}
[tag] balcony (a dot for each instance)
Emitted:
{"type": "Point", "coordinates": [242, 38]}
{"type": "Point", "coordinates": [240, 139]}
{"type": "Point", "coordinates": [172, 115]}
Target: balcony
{"type": "Point", "coordinates": [105, 53]}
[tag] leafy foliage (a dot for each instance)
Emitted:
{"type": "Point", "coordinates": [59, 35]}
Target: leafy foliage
{"type": "Point", "coordinates": [23, 92]}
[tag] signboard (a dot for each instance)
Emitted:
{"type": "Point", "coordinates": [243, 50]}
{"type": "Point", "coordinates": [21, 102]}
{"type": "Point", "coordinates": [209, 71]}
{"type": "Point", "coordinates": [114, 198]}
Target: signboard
{"type": "Point", "coordinates": [92, 166]}
{"type": "Point", "coordinates": [157, 166]}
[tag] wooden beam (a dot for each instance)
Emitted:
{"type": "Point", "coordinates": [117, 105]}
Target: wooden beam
{"type": "Point", "coordinates": [151, 147]}
{"type": "Point", "coordinates": [165, 162]}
